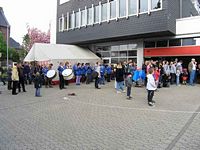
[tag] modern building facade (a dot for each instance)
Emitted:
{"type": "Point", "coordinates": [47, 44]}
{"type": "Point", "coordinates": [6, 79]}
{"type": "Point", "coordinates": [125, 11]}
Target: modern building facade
{"type": "Point", "coordinates": [119, 30]}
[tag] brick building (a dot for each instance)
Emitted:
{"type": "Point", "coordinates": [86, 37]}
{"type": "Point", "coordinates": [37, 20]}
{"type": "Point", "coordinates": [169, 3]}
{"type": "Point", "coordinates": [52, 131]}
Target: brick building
{"type": "Point", "coordinates": [4, 25]}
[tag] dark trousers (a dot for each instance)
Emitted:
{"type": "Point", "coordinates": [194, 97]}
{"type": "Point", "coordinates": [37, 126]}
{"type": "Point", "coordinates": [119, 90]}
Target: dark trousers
{"type": "Point", "coordinates": [108, 77]}
{"type": "Point", "coordinates": [83, 78]}
{"type": "Point", "coordinates": [129, 91]}
{"type": "Point", "coordinates": [150, 95]}
{"type": "Point", "coordinates": [9, 85]}
{"type": "Point", "coordinates": [173, 78]}
{"type": "Point", "coordinates": [62, 81]}
{"type": "Point", "coordinates": [96, 82]}
{"type": "Point", "coordinates": [2, 80]}
{"type": "Point", "coordinates": [15, 84]}
{"type": "Point", "coordinates": [48, 82]}
{"type": "Point", "coordinates": [88, 78]}
{"type": "Point", "coordinates": [21, 82]}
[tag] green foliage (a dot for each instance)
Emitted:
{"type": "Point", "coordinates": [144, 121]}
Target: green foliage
{"type": "Point", "coordinates": [26, 42]}
{"type": "Point", "coordinates": [13, 55]}
{"type": "Point", "coordinates": [2, 46]}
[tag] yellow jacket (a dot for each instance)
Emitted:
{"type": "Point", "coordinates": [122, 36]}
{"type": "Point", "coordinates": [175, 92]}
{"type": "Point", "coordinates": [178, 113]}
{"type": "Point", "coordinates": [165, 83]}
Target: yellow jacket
{"type": "Point", "coordinates": [15, 75]}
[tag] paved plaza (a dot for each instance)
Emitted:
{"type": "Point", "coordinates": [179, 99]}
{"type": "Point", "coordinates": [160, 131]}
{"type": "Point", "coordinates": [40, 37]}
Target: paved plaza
{"type": "Point", "coordinates": [100, 119]}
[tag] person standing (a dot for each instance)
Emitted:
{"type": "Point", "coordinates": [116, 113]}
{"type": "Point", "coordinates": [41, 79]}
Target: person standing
{"type": "Point", "coordinates": [61, 78]}
{"type": "Point", "coordinates": [120, 77]}
{"type": "Point", "coordinates": [108, 72]}
{"type": "Point", "coordinates": [172, 69]}
{"type": "Point", "coordinates": [1, 76]}
{"type": "Point", "coordinates": [129, 85]}
{"type": "Point", "coordinates": [9, 78]}
{"type": "Point", "coordinates": [21, 78]}
{"type": "Point", "coordinates": [15, 79]}
{"type": "Point", "coordinates": [151, 87]}
{"type": "Point", "coordinates": [192, 71]}
{"type": "Point", "coordinates": [88, 73]}
{"type": "Point", "coordinates": [97, 75]}
{"type": "Point", "coordinates": [37, 84]}
{"type": "Point", "coordinates": [78, 74]}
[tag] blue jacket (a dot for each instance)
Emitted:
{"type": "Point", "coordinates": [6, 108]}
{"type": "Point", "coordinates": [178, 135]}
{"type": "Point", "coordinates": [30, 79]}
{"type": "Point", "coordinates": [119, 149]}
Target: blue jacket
{"type": "Point", "coordinates": [83, 70]}
{"type": "Point", "coordinates": [60, 69]}
{"type": "Point", "coordinates": [78, 71]}
{"type": "Point", "coordinates": [45, 70]}
{"type": "Point", "coordinates": [102, 69]}
{"type": "Point", "coordinates": [88, 70]}
{"type": "Point", "coordinates": [108, 70]}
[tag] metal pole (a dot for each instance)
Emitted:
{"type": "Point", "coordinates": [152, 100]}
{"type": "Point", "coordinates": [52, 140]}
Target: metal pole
{"type": "Point", "coordinates": [7, 45]}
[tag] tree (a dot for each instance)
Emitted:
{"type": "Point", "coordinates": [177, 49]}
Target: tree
{"type": "Point", "coordinates": [35, 35]}
{"type": "Point", "coordinates": [13, 55]}
{"type": "Point", "coordinates": [3, 46]}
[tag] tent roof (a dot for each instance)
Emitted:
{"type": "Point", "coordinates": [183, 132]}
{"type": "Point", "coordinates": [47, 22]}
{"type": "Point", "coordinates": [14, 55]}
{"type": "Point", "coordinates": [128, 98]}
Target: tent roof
{"type": "Point", "coordinates": [45, 52]}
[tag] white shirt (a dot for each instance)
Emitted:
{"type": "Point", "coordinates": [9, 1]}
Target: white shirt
{"type": "Point", "coordinates": [151, 84]}
{"type": "Point", "coordinates": [193, 66]}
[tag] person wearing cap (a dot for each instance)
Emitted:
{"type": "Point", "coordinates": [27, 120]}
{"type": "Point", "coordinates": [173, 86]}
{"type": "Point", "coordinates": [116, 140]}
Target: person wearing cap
{"type": "Point", "coordinates": [192, 70]}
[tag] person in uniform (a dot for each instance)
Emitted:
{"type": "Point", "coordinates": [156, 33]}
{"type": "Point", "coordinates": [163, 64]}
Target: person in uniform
{"type": "Point", "coordinates": [61, 68]}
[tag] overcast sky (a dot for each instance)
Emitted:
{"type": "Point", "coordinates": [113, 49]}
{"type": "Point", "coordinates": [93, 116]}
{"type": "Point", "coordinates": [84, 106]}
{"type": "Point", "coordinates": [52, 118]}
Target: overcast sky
{"type": "Point", "coordinates": [35, 13]}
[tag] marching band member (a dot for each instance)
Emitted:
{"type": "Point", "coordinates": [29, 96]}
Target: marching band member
{"type": "Point", "coordinates": [61, 68]}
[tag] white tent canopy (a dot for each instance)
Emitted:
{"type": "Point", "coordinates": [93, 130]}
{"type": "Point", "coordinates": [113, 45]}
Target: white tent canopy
{"type": "Point", "coordinates": [50, 52]}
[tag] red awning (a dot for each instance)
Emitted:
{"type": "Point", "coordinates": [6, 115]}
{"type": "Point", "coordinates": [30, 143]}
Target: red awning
{"type": "Point", "coordinates": [172, 51]}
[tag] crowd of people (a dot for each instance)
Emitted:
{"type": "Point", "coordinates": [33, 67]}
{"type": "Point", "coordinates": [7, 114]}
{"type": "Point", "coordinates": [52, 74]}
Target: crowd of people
{"type": "Point", "coordinates": [152, 75]}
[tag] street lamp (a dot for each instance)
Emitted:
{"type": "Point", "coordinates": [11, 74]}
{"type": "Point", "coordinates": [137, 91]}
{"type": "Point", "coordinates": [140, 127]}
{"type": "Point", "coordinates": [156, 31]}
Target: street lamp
{"type": "Point", "coordinates": [7, 44]}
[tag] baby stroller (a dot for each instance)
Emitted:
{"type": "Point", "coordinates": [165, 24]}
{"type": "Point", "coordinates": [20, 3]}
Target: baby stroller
{"type": "Point", "coordinates": [184, 76]}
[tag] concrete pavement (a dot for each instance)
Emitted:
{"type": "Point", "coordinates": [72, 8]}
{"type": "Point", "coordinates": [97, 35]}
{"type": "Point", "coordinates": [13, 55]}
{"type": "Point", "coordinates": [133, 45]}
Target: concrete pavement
{"type": "Point", "coordinates": [99, 119]}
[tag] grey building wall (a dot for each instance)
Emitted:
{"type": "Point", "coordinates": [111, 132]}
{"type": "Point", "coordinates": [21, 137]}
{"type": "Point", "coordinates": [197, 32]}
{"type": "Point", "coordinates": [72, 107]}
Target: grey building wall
{"type": "Point", "coordinates": [188, 9]}
{"type": "Point", "coordinates": [159, 23]}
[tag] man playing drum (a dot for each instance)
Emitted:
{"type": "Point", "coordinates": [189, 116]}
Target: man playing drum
{"type": "Point", "coordinates": [61, 68]}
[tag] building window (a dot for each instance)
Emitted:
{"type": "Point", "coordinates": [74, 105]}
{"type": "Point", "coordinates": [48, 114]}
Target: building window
{"type": "Point", "coordinates": [65, 23]}
{"type": "Point", "coordinates": [61, 24]}
{"type": "Point", "coordinates": [113, 9]}
{"type": "Point", "coordinates": [143, 5]}
{"type": "Point", "coordinates": [71, 21]}
{"type": "Point", "coordinates": [83, 19]}
{"type": "Point", "coordinates": [197, 41]}
{"type": "Point", "coordinates": [189, 41]}
{"type": "Point", "coordinates": [132, 53]}
{"type": "Point", "coordinates": [122, 53]}
{"type": "Point", "coordinates": [104, 12]}
{"type": "Point", "coordinates": [96, 14]}
{"type": "Point", "coordinates": [162, 43]}
{"type": "Point", "coordinates": [63, 1]}
{"type": "Point", "coordinates": [114, 60]}
{"type": "Point", "coordinates": [150, 44]}
{"type": "Point", "coordinates": [122, 8]}
{"type": "Point", "coordinates": [105, 54]}
{"type": "Point", "coordinates": [114, 53]}
{"type": "Point", "coordinates": [155, 4]}
{"type": "Point", "coordinates": [89, 16]}
{"type": "Point", "coordinates": [132, 7]}
{"type": "Point", "coordinates": [77, 23]}
{"type": "Point", "coordinates": [175, 42]}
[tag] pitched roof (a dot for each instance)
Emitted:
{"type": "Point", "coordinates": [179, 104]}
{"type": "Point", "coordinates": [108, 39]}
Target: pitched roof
{"type": "Point", "coordinates": [3, 20]}
{"type": "Point", "coordinates": [14, 44]}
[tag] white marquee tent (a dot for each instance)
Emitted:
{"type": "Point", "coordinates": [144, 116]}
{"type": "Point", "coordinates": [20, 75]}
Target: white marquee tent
{"type": "Point", "coordinates": [55, 53]}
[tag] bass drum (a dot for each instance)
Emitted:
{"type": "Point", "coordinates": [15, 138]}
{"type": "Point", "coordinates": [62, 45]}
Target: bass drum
{"type": "Point", "coordinates": [68, 74]}
{"type": "Point", "coordinates": [51, 74]}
